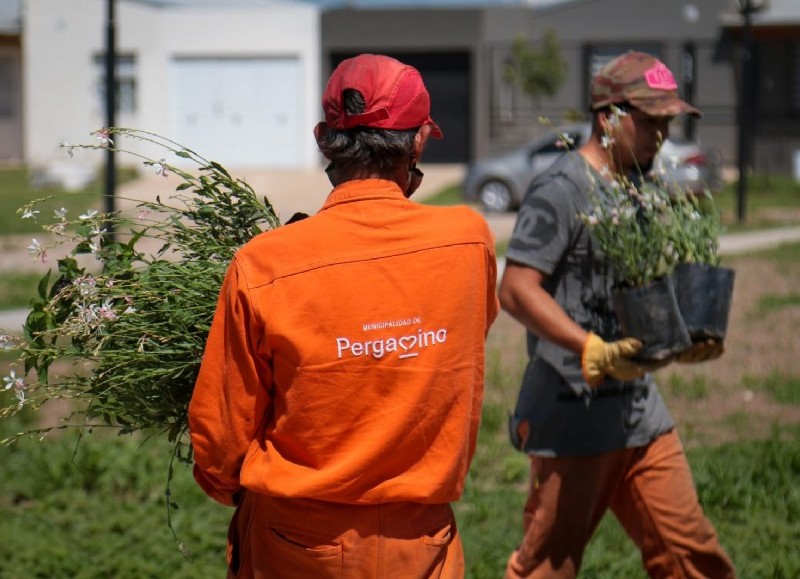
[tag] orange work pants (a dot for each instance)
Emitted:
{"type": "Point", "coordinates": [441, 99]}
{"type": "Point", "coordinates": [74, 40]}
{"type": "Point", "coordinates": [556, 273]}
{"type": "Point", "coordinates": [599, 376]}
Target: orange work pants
{"type": "Point", "coordinates": [272, 537]}
{"type": "Point", "coordinates": [651, 492]}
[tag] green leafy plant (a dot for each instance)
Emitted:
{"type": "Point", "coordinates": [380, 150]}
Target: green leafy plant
{"type": "Point", "coordinates": [120, 327]}
{"type": "Point", "coordinates": [694, 227]}
{"type": "Point", "coordinates": [646, 225]}
{"type": "Point", "coordinates": [537, 72]}
{"type": "Point", "coordinates": [631, 225]}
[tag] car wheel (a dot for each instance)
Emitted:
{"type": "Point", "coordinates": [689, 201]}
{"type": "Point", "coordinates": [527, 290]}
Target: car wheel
{"type": "Point", "coordinates": [495, 195]}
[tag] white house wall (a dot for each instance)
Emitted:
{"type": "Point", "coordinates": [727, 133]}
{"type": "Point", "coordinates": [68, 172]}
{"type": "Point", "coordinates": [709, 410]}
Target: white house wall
{"type": "Point", "coordinates": [62, 38]}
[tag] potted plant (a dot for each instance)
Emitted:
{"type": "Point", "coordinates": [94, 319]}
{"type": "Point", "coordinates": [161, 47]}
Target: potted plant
{"type": "Point", "coordinates": [631, 224]}
{"type": "Point", "coordinates": [703, 288]}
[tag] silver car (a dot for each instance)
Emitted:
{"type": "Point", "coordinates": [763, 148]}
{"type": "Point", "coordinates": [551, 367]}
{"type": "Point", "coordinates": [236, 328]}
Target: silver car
{"type": "Point", "coordinates": [499, 182]}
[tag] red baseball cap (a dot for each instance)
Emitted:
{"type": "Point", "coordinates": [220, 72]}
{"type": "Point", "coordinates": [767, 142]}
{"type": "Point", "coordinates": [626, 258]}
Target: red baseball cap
{"type": "Point", "coordinates": [394, 95]}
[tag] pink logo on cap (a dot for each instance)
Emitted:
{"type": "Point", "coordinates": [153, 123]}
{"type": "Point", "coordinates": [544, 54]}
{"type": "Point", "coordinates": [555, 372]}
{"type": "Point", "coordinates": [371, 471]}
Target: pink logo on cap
{"type": "Point", "coordinates": [659, 77]}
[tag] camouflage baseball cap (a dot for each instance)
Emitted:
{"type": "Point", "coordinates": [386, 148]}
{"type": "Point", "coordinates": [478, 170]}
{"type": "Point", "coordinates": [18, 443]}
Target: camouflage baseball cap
{"type": "Point", "coordinates": [641, 80]}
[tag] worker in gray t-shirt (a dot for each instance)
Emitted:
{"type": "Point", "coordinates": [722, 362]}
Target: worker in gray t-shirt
{"type": "Point", "coordinates": [593, 422]}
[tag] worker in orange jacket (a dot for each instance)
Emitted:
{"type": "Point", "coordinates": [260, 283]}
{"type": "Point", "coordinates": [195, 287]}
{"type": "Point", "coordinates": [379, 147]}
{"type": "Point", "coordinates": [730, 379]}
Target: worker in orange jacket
{"type": "Point", "coordinates": [340, 392]}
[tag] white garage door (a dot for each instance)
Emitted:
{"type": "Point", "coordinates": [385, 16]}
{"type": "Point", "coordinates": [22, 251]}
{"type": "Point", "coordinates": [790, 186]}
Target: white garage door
{"type": "Point", "coordinates": [239, 112]}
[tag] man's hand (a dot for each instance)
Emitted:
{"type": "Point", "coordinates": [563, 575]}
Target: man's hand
{"type": "Point", "coordinates": [602, 358]}
{"type": "Point", "coordinates": [702, 351]}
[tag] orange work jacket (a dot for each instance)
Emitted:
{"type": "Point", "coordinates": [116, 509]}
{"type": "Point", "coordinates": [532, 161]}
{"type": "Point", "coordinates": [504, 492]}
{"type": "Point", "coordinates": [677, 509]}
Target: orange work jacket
{"type": "Point", "coordinates": [345, 361]}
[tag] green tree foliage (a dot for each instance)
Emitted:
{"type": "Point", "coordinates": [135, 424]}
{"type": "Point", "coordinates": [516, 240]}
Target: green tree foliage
{"type": "Point", "coordinates": [537, 71]}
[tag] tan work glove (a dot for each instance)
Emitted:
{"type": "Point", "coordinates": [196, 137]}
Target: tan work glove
{"type": "Point", "coordinates": [602, 358]}
{"type": "Point", "coordinates": [702, 351]}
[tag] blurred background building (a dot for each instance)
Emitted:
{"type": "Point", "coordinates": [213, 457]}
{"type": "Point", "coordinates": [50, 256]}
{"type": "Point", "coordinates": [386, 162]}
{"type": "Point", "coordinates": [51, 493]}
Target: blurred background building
{"type": "Point", "coordinates": [241, 79]}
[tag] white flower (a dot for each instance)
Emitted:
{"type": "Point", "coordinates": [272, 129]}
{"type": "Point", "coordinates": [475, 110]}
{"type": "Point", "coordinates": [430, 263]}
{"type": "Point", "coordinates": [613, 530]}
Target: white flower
{"type": "Point", "coordinates": [106, 312]}
{"type": "Point", "coordinates": [6, 341]}
{"type": "Point", "coordinates": [60, 213]}
{"type": "Point", "coordinates": [96, 230]}
{"type": "Point", "coordinates": [13, 381]}
{"type": "Point", "coordinates": [161, 168]}
{"type": "Point", "coordinates": [617, 114]}
{"type": "Point", "coordinates": [36, 250]}
{"type": "Point", "coordinates": [606, 141]}
{"type": "Point", "coordinates": [104, 137]}
{"type": "Point", "coordinates": [87, 285]}
{"type": "Point", "coordinates": [565, 141]}
{"type": "Point", "coordinates": [88, 215]}
{"type": "Point", "coordinates": [18, 383]}
{"type": "Point", "coordinates": [69, 147]}
{"type": "Point", "coordinates": [87, 314]}
{"type": "Point", "coordinates": [30, 214]}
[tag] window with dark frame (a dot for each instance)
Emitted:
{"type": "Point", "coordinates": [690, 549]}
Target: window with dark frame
{"type": "Point", "coordinates": [126, 82]}
{"type": "Point", "coordinates": [8, 105]}
{"type": "Point", "coordinates": [778, 73]}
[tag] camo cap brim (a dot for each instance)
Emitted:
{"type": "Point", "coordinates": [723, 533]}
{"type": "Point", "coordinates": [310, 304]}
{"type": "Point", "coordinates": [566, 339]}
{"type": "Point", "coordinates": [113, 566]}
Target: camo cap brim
{"type": "Point", "coordinates": [641, 80]}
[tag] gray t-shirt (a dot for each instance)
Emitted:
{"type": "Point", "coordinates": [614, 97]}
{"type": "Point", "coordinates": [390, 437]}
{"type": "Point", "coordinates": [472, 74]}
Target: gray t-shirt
{"type": "Point", "coordinates": [566, 417]}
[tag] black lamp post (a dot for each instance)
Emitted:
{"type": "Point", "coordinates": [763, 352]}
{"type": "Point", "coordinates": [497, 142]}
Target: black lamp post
{"type": "Point", "coordinates": [746, 113]}
{"type": "Point", "coordinates": [110, 181]}
{"type": "Point", "coordinates": [691, 14]}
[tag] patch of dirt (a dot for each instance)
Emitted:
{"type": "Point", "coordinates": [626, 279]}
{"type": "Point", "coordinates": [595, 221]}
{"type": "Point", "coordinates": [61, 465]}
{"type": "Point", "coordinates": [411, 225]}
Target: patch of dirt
{"type": "Point", "coordinates": [728, 402]}
{"type": "Point", "coordinates": [761, 342]}
{"type": "Point", "coordinates": [778, 215]}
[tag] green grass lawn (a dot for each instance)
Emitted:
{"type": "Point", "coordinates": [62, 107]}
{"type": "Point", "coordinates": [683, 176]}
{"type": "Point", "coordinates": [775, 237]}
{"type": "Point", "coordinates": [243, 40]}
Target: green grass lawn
{"type": "Point", "coordinates": [16, 191]}
{"type": "Point", "coordinates": [17, 288]}
{"type": "Point", "coordinates": [96, 509]}
{"type": "Point", "coordinates": [766, 197]}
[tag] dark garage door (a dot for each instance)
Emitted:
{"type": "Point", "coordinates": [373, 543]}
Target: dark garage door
{"type": "Point", "coordinates": [446, 76]}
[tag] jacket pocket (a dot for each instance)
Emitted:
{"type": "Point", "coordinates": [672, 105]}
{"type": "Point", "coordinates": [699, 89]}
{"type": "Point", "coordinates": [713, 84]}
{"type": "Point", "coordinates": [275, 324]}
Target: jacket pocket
{"type": "Point", "coordinates": [293, 552]}
{"type": "Point", "coordinates": [441, 536]}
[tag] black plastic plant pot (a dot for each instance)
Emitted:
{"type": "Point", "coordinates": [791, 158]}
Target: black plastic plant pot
{"type": "Point", "coordinates": [650, 313]}
{"type": "Point", "coordinates": [704, 293]}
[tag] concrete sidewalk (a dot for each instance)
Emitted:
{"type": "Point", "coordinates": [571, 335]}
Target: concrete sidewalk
{"type": "Point", "coordinates": [734, 243]}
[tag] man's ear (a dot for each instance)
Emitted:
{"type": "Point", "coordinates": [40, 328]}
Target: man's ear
{"type": "Point", "coordinates": [420, 140]}
{"type": "Point", "coordinates": [606, 124]}
{"type": "Point", "coordinates": [320, 130]}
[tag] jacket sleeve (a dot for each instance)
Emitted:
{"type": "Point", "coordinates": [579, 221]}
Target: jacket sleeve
{"type": "Point", "coordinates": [232, 394]}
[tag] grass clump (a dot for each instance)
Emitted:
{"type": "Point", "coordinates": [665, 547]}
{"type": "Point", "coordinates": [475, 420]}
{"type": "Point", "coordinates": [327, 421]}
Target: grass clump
{"type": "Point", "coordinates": [17, 289]}
{"type": "Point", "coordinates": [16, 191]}
{"type": "Point", "coordinates": [783, 388]}
{"type": "Point", "coordinates": [692, 388]}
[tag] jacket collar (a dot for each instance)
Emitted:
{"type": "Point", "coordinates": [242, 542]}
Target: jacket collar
{"type": "Point", "coordinates": [363, 189]}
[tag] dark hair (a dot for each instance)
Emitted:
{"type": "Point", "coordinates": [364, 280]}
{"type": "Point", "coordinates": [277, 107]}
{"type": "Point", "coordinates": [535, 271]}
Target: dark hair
{"type": "Point", "coordinates": [365, 148]}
